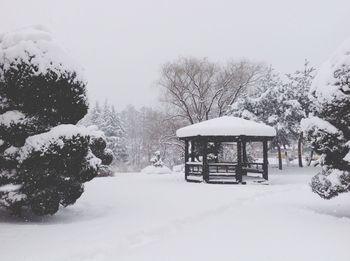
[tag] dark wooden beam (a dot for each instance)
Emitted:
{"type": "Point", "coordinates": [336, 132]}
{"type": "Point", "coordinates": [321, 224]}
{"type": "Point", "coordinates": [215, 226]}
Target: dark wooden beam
{"type": "Point", "coordinates": [192, 150]}
{"type": "Point", "coordinates": [186, 159]}
{"type": "Point", "coordinates": [244, 153]}
{"type": "Point", "coordinates": [265, 161]}
{"type": "Point", "coordinates": [239, 161]}
{"type": "Point", "coordinates": [205, 160]}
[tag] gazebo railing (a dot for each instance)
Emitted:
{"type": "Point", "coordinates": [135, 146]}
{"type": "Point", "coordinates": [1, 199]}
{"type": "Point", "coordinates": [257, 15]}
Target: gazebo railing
{"type": "Point", "coordinates": [222, 167]}
{"type": "Point", "coordinates": [219, 171]}
{"type": "Point", "coordinates": [194, 168]}
{"type": "Point", "coordinates": [254, 167]}
{"type": "Point", "coordinates": [215, 171]}
{"type": "Point", "coordinates": [222, 172]}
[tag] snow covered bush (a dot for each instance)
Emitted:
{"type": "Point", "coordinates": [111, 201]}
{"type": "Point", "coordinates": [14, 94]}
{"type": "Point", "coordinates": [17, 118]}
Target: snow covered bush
{"type": "Point", "coordinates": [44, 157]}
{"type": "Point", "coordinates": [156, 160]}
{"type": "Point", "coordinates": [328, 126]}
{"type": "Point", "coordinates": [157, 166]}
{"type": "Point", "coordinates": [98, 147]}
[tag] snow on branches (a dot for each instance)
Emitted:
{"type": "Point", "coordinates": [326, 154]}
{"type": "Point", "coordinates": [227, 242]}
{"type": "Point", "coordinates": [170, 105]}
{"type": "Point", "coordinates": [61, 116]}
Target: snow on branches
{"type": "Point", "coordinates": [328, 126]}
{"type": "Point", "coordinates": [107, 122]}
{"type": "Point", "coordinates": [44, 157]}
{"type": "Point", "coordinates": [281, 104]}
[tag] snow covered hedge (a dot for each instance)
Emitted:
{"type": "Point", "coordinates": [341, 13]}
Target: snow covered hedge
{"type": "Point", "coordinates": [328, 126]}
{"type": "Point", "coordinates": [44, 157]}
{"type": "Point", "coordinates": [157, 166]}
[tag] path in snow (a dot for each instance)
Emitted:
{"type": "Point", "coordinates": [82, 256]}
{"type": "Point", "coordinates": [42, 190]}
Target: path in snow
{"type": "Point", "coordinates": [160, 217]}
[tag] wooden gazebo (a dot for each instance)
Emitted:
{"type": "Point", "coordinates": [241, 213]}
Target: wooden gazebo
{"type": "Point", "coordinates": [200, 137]}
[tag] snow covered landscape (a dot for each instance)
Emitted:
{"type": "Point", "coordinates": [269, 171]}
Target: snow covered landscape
{"type": "Point", "coordinates": [188, 130]}
{"type": "Point", "coordinates": [136, 216]}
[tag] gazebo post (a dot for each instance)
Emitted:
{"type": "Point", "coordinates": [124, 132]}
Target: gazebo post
{"type": "Point", "coordinates": [205, 160]}
{"type": "Point", "coordinates": [244, 152]}
{"type": "Point", "coordinates": [265, 161]}
{"type": "Point", "coordinates": [216, 145]}
{"type": "Point", "coordinates": [186, 159]}
{"type": "Point", "coordinates": [192, 151]}
{"type": "Point", "coordinates": [239, 160]}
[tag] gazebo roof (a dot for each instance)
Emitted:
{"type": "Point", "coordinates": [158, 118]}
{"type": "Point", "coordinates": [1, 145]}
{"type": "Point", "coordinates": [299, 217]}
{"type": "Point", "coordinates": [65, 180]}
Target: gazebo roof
{"type": "Point", "coordinates": [227, 126]}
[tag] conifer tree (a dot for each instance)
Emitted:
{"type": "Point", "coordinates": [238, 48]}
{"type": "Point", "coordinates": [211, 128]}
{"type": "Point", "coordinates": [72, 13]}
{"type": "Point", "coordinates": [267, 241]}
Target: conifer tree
{"type": "Point", "coordinates": [269, 107]}
{"type": "Point", "coordinates": [296, 92]}
{"type": "Point", "coordinates": [44, 158]}
{"type": "Point", "coordinates": [108, 121]}
{"type": "Point", "coordinates": [327, 126]}
{"type": "Point", "coordinates": [111, 125]}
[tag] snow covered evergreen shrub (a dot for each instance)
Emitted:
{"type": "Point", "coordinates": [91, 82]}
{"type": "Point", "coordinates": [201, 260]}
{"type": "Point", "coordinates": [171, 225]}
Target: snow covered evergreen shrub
{"type": "Point", "coordinates": [98, 146]}
{"type": "Point", "coordinates": [157, 166]}
{"type": "Point", "coordinates": [328, 126]}
{"type": "Point", "coordinates": [44, 157]}
{"type": "Point", "coordinates": [156, 160]}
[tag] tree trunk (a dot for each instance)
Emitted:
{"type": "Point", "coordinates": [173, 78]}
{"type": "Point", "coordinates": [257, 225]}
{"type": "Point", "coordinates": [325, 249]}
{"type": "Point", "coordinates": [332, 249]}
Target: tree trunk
{"type": "Point", "coordinates": [300, 158]}
{"type": "Point", "coordinates": [286, 157]}
{"type": "Point", "coordinates": [310, 159]}
{"type": "Point", "coordinates": [279, 157]}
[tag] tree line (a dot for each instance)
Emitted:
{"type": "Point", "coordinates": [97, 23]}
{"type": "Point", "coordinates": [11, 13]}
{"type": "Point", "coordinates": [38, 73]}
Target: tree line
{"type": "Point", "coordinates": [192, 90]}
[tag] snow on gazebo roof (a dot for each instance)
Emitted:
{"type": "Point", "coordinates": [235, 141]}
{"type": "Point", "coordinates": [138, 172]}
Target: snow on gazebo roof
{"type": "Point", "coordinates": [227, 126]}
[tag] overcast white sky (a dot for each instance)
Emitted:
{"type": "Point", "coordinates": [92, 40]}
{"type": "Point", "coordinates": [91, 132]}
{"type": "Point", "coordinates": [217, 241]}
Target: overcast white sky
{"type": "Point", "coordinates": [122, 44]}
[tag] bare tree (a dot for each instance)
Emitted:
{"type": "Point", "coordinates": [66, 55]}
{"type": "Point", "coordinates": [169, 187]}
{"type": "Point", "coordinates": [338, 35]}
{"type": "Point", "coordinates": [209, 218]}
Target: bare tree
{"type": "Point", "coordinates": [236, 79]}
{"type": "Point", "coordinates": [197, 89]}
{"type": "Point", "coordinates": [188, 88]}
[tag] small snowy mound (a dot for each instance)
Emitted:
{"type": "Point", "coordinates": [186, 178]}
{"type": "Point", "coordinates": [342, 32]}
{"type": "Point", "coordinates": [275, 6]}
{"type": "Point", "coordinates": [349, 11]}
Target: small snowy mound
{"type": "Point", "coordinates": [156, 170]}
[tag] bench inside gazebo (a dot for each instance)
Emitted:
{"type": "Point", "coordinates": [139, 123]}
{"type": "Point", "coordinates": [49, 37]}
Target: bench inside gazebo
{"type": "Point", "coordinates": [203, 144]}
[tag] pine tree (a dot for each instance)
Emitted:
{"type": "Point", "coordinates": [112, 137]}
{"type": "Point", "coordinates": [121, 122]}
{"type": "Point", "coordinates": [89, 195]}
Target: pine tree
{"type": "Point", "coordinates": [297, 90]}
{"type": "Point", "coordinates": [111, 125]}
{"type": "Point", "coordinates": [282, 105]}
{"type": "Point", "coordinates": [108, 121]}
{"type": "Point", "coordinates": [270, 107]}
{"type": "Point", "coordinates": [44, 158]}
{"type": "Point", "coordinates": [327, 126]}
{"type": "Point", "coordinates": [96, 115]}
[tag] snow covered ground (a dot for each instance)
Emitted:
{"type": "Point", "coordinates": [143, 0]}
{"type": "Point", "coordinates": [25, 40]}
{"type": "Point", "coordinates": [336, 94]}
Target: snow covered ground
{"type": "Point", "coordinates": [160, 217]}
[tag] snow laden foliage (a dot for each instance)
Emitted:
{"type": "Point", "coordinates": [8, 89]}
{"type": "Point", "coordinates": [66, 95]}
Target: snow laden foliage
{"type": "Point", "coordinates": [107, 121]}
{"type": "Point", "coordinates": [269, 106]}
{"type": "Point", "coordinates": [281, 104]}
{"type": "Point", "coordinates": [44, 158]}
{"type": "Point", "coordinates": [328, 126]}
{"type": "Point", "coordinates": [98, 145]}
{"type": "Point", "coordinates": [156, 160]}
{"type": "Point", "coordinates": [296, 90]}
{"type": "Point", "coordinates": [113, 128]}
{"type": "Point", "coordinates": [157, 166]}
